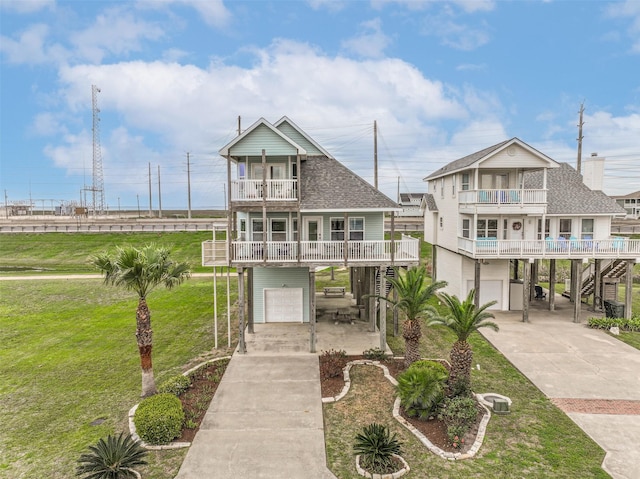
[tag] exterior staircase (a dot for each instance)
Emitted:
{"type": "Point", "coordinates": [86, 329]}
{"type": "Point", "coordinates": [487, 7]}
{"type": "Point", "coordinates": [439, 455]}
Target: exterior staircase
{"type": "Point", "coordinates": [609, 269]}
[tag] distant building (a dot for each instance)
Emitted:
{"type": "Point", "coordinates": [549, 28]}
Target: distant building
{"type": "Point", "coordinates": [631, 204]}
{"type": "Point", "coordinates": [410, 203]}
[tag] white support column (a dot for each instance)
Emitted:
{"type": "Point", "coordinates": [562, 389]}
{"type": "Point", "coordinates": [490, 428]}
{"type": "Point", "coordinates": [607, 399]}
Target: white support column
{"type": "Point", "coordinates": [312, 310]}
{"type": "Point", "coordinates": [242, 345]}
{"type": "Point", "coordinates": [383, 308]}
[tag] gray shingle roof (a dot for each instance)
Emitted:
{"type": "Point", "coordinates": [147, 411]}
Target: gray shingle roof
{"type": "Point", "coordinates": [406, 197]}
{"type": "Point", "coordinates": [567, 194]}
{"type": "Point", "coordinates": [629, 196]}
{"type": "Point", "coordinates": [466, 161]}
{"type": "Point", "coordinates": [328, 184]}
{"type": "Point", "coordinates": [431, 202]}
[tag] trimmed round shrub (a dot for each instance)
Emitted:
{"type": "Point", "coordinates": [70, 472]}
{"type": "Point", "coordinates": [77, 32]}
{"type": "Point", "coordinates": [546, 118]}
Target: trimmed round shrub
{"type": "Point", "coordinates": [458, 414]}
{"type": "Point", "coordinates": [421, 388]}
{"type": "Point", "coordinates": [159, 418]}
{"type": "Point", "coordinates": [175, 385]}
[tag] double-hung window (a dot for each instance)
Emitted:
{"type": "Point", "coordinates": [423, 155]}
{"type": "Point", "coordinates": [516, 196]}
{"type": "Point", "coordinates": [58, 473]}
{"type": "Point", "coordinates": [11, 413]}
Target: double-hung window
{"type": "Point", "coordinates": [257, 230]}
{"type": "Point", "coordinates": [565, 228]}
{"type": "Point", "coordinates": [587, 228]}
{"type": "Point", "coordinates": [356, 229]}
{"type": "Point", "coordinates": [278, 229]}
{"type": "Point", "coordinates": [466, 227]}
{"type": "Point", "coordinates": [487, 228]}
{"type": "Point", "coordinates": [337, 229]}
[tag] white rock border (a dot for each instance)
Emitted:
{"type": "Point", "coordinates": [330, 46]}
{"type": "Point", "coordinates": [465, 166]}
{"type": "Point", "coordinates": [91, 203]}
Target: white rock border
{"type": "Point", "coordinates": [171, 445]}
{"type": "Point", "coordinates": [405, 469]}
{"type": "Point", "coordinates": [453, 456]}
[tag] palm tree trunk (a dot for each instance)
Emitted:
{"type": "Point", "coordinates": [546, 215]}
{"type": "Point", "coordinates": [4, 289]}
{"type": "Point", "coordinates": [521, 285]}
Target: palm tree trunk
{"type": "Point", "coordinates": [145, 344]}
{"type": "Point", "coordinates": [411, 332]}
{"type": "Point", "coordinates": [461, 362]}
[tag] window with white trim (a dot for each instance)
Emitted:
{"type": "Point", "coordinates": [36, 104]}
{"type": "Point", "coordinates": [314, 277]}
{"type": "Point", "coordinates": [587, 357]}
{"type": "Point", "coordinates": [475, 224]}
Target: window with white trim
{"type": "Point", "coordinates": [442, 187]}
{"type": "Point", "coordinates": [337, 229]}
{"type": "Point", "coordinates": [243, 229]}
{"type": "Point", "coordinates": [466, 228]}
{"type": "Point", "coordinates": [278, 229]}
{"type": "Point", "coordinates": [453, 186]}
{"type": "Point", "coordinates": [487, 228]}
{"type": "Point", "coordinates": [587, 228]}
{"type": "Point", "coordinates": [565, 228]}
{"type": "Point", "coordinates": [356, 229]}
{"type": "Point", "coordinates": [257, 230]}
{"type": "Point", "coordinates": [465, 184]}
{"type": "Point", "coordinates": [294, 229]}
{"type": "Point", "coordinates": [547, 224]}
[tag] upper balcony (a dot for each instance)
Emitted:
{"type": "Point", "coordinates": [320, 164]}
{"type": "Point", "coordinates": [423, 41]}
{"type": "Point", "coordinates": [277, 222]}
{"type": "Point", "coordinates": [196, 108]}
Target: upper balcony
{"type": "Point", "coordinates": [271, 190]}
{"type": "Point", "coordinates": [549, 248]}
{"type": "Point", "coordinates": [255, 253]}
{"type": "Point", "coordinates": [505, 201]}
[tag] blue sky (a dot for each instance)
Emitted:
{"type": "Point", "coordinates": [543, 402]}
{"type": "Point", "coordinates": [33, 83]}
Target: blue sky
{"type": "Point", "coordinates": [441, 79]}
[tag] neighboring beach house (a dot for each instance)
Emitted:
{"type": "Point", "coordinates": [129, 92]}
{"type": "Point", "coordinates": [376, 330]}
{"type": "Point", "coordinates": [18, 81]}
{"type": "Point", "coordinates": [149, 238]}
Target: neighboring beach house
{"type": "Point", "coordinates": [293, 208]}
{"type": "Point", "coordinates": [631, 204]}
{"type": "Point", "coordinates": [494, 216]}
{"type": "Point", "coordinates": [411, 205]}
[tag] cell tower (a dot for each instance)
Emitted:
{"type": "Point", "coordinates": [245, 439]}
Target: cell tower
{"type": "Point", "coordinates": [98, 180]}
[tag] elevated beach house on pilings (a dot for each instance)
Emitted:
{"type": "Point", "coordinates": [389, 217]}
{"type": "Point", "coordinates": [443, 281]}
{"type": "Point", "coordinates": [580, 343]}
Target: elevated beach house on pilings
{"type": "Point", "coordinates": [293, 208]}
{"type": "Point", "coordinates": [496, 215]}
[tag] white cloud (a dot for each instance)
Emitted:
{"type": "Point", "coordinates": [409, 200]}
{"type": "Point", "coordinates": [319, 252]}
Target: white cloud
{"type": "Point", "coordinates": [456, 35]}
{"type": "Point", "coordinates": [26, 6]}
{"type": "Point", "coordinates": [371, 43]}
{"type": "Point", "coordinates": [213, 12]}
{"type": "Point", "coordinates": [471, 67]}
{"type": "Point", "coordinates": [115, 31]}
{"type": "Point", "coordinates": [29, 48]}
{"type": "Point", "coordinates": [194, 109]}
{"type": "Point", "coordinates": [628, 9]}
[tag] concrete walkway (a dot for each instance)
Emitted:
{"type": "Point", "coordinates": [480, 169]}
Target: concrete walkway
{"type": "Point", "coordinates": [265, 420]}
{"type": "Point", "coordinates": [592, 377]}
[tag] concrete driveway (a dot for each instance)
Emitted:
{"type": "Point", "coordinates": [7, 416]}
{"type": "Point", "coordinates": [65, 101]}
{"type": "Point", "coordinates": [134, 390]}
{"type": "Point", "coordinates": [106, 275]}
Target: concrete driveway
{"type": "Point", "coordinates": [591, 376]}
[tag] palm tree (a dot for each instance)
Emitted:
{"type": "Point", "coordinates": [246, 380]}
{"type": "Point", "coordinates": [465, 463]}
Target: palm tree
{"type": "Point", "coordinates": [463, 319]}
{"type": "Point", "coordinates": [142, 270]}
{"type": "Point", "coordinates": [414, 295]}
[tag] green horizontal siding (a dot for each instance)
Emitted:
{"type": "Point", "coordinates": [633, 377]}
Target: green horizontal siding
{"type": "Point", "coordinates": [262, 138]}
{"type": "Point", "coordinates": [275, 278]}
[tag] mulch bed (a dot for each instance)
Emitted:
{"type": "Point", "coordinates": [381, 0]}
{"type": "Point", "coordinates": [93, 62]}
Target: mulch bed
{"type": "Point", "coordinates": [196, 399]}
{"type": "Point", "coordinates": [433, 429]}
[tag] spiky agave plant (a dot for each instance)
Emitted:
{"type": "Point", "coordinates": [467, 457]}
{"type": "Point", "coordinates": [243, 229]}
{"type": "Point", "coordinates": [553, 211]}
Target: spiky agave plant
{"type": "Point", "coordinates": [376, 446]}
{"type": "Point", "coordinates": [112, 458]}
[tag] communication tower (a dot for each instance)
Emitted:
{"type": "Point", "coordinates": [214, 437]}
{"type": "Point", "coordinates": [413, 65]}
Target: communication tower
{"type": "Point", "coordinates": [97, 187]}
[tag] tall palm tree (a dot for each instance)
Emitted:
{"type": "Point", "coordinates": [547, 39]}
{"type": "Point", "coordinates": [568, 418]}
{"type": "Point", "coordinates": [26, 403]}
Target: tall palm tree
{"type": "Point", "coordinates": [463, 319]}
{"type": "Point", "coordinates": [414, 295]}
{"type": "Point", "coordinates": [141, 270]}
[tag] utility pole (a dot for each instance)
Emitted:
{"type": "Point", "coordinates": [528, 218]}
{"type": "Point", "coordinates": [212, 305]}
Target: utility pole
{"type": "Point", "coordinates": [6, 204]}
{"type": "Point", "coordinates": [375, 154]}
{"type": "Point", "coordinates": [580, 137]}
{"type": "Point", "coordinates": [150, 202]}
{"type": "Point", "coordinates": [188, 187]}
{"type": "Point", "coordinates": [159, 195]}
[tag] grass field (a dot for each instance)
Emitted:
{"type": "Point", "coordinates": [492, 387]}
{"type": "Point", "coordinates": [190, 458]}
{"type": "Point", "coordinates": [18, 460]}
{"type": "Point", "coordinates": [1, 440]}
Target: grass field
{"type": "Point", "coordinates": [69, 359]}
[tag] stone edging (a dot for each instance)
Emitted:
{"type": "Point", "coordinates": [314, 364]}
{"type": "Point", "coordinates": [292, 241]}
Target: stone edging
{"type": "Point", "coordinates": [396, 414]}
{"type": "Point", "coordinates": [171, 445]}
{"type": "Point", "coordinates": [405, 469]}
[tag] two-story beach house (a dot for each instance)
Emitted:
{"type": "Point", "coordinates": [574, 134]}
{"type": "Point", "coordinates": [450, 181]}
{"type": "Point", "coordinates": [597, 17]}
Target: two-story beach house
{"type": "Point", "coordinates": [293, 208]}
{"type": "Point", "coordinates": [496, 215]}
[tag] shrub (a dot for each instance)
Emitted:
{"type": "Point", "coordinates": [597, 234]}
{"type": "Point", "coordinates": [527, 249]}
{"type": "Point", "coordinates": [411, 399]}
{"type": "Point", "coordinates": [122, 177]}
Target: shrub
{"type": "Point", "coordinates": [632, 324]}
{"type": "Point", "coordinates": [175, 385]}
{"type": "Point", "coordinates": [375, 354]}
{"type": "Point", "coordinates": [376, 446]}
{"type": "Point", "coordinates": [421, 388]}
{"type": "Point", "coordinates": [112, 458]}
{"type": "Point", "coordinates": [461, 387]}
{"type": "Point", "coordinates": [458, 414]}
{"type": "Point", "coordinates": [159, 418]}
{"type": "Point", "coordinates": [331, 363]}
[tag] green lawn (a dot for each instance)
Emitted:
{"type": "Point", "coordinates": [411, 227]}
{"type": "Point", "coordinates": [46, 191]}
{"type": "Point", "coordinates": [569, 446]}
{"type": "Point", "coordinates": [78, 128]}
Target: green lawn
{"type": "Point", "coordinates": [56, 253]}
{"type": "Point", "coordinates": [536, 440]}
{"type": "Point", "coordinates": [69, 358]}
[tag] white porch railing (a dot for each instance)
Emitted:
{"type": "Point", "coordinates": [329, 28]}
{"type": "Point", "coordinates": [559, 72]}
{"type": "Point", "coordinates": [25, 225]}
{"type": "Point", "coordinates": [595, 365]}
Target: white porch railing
{"type": "Point", "coordinates": [503, 197]}
{"type": "Point", "coordinates": [617, 247]}
{"type": "Point", "coordinates": [405, 250]}
{"type": "Point", "coordinates": [252, 190]}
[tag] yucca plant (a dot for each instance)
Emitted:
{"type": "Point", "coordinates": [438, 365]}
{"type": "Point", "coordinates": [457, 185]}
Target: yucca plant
{"type": "Point", "coordinates": [376, 447]}
{"type": "Point", "coordinates": [112, 458]}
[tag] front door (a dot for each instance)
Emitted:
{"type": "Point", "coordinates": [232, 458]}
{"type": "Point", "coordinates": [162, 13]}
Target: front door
{"type": "Point", "coordinates": [312, 228]}
{"type": "Point", "coordinates": [516, 229]}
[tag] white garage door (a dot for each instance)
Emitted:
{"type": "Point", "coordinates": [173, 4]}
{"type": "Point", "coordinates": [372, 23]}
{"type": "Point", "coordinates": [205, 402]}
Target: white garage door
{"type": "Point", "coordinates": [283, 305]}
{"type": "Point", "coordinates": [490, 290]}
